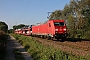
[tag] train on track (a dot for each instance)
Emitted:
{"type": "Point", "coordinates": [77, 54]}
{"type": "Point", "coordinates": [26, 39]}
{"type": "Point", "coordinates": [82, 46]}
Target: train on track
{"type": "Point", "coordinates": [51, 29]}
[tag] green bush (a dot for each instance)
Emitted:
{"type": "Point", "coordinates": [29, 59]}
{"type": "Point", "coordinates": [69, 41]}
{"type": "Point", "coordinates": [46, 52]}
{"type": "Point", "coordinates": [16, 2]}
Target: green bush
{"type": "Point", "coordinates": [3, 26]}
{"type": "Point", "coordinates": [78, 36]}
{"type": "Point", "coordinates": [3, 41]}
{"type": "Point", "coordinates": [87, 35]}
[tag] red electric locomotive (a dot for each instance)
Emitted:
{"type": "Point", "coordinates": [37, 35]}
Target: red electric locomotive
{"type": "Point", "coordinates": [52, 29]}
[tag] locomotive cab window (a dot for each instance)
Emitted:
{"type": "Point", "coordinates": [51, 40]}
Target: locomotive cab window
{"type": "Point", "coordinates": [58, 23]}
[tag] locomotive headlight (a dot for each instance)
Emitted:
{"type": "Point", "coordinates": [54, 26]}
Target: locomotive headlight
{"type": "Point", "coordinates": [31, 31]}
{"type": "Point", "coordinates": [64, 29]}
{"type": "Point", "coordinates": [27, 31]}
{"type": "Point", "coordinates": [23, 32]}
{"type": "Point", "coordinates": [56, 29]}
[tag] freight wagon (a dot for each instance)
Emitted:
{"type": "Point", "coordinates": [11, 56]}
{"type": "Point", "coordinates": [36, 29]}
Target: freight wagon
{"type": "Point", "coordinates": [51, 29]}
{"type": "Point", "coordinates": [27, 30]}
{"type": "Point", "coordinates": [18, 31]}
{"type": "Point", "coordinates": [24, 31]}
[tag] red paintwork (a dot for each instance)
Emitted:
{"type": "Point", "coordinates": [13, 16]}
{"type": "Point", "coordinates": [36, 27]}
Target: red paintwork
{"type": "Point", "coordinates": [18, 31]}
{"type": "Point", "coordinates": [27, 31]}
{"type": "Point", "coordinates": [52, 28]}
{"type": "Point", "coordinates": [24, 31]}
{"type": "Point", "coordinates": [49, 28]}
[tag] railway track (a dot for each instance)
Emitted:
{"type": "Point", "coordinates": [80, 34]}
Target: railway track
{"type": "Point", "coordinates": [74, 47]}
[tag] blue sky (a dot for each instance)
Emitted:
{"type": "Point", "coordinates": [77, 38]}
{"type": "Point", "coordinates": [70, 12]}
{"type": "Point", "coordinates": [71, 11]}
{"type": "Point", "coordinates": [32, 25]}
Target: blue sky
{"type": "Point", "coordinates": [28, 12]}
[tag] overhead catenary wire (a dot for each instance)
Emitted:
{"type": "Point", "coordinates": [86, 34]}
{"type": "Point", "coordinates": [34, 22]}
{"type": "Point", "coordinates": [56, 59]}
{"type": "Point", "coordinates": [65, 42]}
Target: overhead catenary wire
{"type": "Point", "coordinates": [24, 9]}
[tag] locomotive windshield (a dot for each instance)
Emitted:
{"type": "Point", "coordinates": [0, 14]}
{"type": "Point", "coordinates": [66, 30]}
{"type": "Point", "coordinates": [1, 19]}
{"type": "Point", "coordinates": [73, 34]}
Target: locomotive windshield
{"type": "Point", "coordinates": [58, 23]}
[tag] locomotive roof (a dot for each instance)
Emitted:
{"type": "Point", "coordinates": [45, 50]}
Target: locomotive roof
{"type": "Point", "coordinates": [57, 20]}
{"type": "Point", "coordinates": [50, 20]}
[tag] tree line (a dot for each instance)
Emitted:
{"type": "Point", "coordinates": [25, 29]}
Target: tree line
{"type": "Point", "coordinates": [77, 17]}
{"type": "Point", "coordinates": [3, 26]}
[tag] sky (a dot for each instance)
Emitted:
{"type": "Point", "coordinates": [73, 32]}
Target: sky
{"type": "Point", "coordinates": [28, 12]}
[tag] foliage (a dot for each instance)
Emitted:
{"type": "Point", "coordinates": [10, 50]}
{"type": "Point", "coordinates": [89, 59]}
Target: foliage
{"type": "Point", "coordinates": [56, 15]}
{"type": "Point", "coordinates": [45, 52]}
{"type": "Point", "coordinates": [11, 31]}
{"type": "Point", "coordinates": [87, 35]}
{"type": "Point", "coordinates": [18, 26]}
{"type": "Point", "coordinates": [3, 26]}
{"type": "Point", "coordinates": [71, 26]}
{"type": "Point", "coordinates": [3, 41]}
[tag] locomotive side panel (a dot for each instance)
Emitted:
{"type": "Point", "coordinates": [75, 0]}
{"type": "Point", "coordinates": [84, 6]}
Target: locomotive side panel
{"type": "Point", "coordinates": [44, 29]}
{"type": "Point", "coordinates": [35, 30]}
{"type": "Point", "coordinates": [50, 28]}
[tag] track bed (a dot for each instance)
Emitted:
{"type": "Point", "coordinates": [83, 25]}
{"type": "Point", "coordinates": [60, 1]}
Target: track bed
{"type": "Point", "coordinates": [74, 47]}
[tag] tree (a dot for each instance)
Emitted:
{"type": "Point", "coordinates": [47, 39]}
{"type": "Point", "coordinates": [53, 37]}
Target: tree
{"type": "Point", "coordinates": [80, 11]}
{"type": "Point", "coordinates": [3, 26]}
{"type": "Point", "coordinates": [18, 26]}
{"type": "Point", "coordinates": [66, 11]}
{"type": "Point", "coordinates": [71, 26]}
{"type": "Point", "coordinates": [57, 14]}
{"type": "Point", "coordinates": [11, 31]}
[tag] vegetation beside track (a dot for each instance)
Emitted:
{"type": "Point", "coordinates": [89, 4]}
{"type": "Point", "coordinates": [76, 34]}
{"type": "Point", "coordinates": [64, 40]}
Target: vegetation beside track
{"type": "Point", "coordinates": [42, 52]}
{"type": "Point", "coordinates": [3, 41]}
